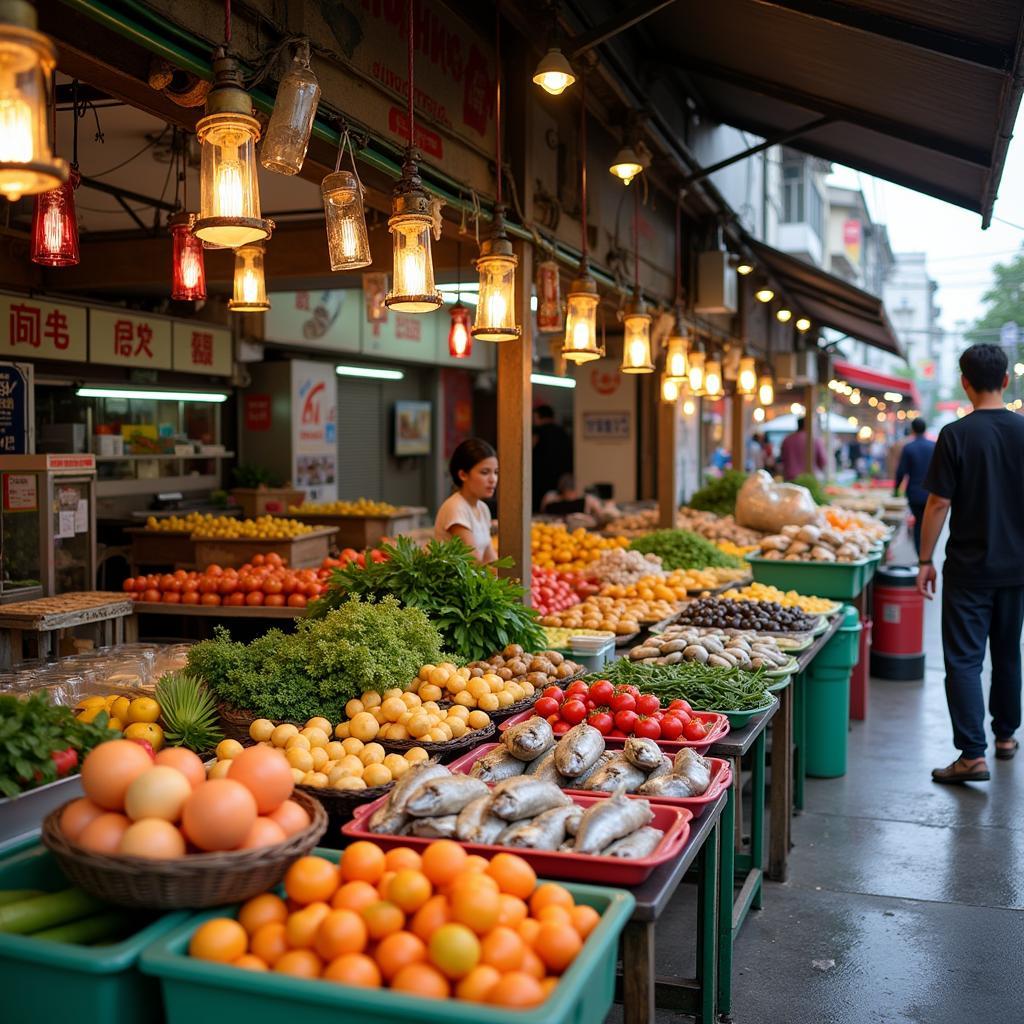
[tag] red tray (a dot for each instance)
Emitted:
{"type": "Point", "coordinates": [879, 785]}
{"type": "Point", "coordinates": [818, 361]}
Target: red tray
{"type": "Point", "coordinates": [573, 867]}
{"type": "Point", "coordinates": [721, 779]}
{"type": "Point", "coordinates": [721, 727]}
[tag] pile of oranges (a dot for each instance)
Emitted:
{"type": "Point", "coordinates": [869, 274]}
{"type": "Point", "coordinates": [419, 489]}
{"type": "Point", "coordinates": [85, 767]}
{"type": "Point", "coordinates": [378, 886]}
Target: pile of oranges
{"type": "Point", "coordinates": [554, 547]}
{"type": "Point", "coordinates": [438, 925]}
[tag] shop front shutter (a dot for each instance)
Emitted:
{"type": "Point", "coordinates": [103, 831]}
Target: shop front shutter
{"type": "Point", "coordinates": [362, 445]}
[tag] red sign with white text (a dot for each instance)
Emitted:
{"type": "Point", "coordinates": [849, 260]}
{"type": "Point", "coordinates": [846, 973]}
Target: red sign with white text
{"type": "Point", "coordinates": [257, 412]}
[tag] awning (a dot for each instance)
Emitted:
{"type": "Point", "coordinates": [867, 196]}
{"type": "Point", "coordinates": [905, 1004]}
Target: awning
{"type": "Point", "coordinates": [923, 94]}
{"type": "Point", "coordinates": [872, 380]}
{"type": "Point", "coordinates": [830, 300]}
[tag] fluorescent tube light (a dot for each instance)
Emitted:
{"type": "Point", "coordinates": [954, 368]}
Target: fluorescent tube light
{"type": "Point", "coordinates": [153, 396]}
{"type": "Point", "coordinates": [552, 382]}
{"type": "Point", "coordinates": [371, 372]}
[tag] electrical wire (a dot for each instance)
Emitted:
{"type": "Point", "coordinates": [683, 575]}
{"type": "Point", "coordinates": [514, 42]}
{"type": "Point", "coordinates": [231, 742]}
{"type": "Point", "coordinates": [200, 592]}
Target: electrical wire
{"type": "Point", "coordinates": [409, 74]}
{"type": "Point", "coordinates": [497, 98]}
{"type": "Point", "coordinates": [584, 248]}
{"type": "Point", "coordinates": [124, 163]}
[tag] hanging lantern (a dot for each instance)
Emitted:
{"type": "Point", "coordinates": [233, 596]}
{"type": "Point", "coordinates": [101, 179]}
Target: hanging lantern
{"type": "Point", "coordinates": [229, 207]}
{"type": "Point", "coordinates": [713, 378]}
{"type": "Point", "coordinates": [188, 274]}
{"type": "Point", "coordinates": [250, 286]}
{"type": "Point", "coordinates": [675, 355]}
{"type": "Point", "coordinates": [689, 407]}
{"type": "Point", "coordinates": [626, 165]}
{"type": "Point", "coordinates": [554, 73]}
{"type": "Point", "coordinates": [746, 380]}
{"type": "Point", "coordinates": [413, 289]}
{"type": "Point", "coordinates": [766, 389]}
{"type": "Point", "coordinates": [460, 341]}
{"type": "Point", "coordinates": [669, 389]}
{"type": "Point", "coordinates": [287, 138]}
{"type": "Point", "coordinates": [636, 338]}
{"type": "Point", "coordinates": [580, 344]}
{"type": "Point", "coordinates": [27, 165]}
{"type": "Point", "coordinates": [784, 315]}
{"type": "Point", "coordinates": [347, 244]}
{"type": "Point", "coordinates": [55, 225]}
{"type": "Point", "coordinates": [695, 368]}
{"type": "Point", "coordinates": [549, 298]}
{"type": "Point", "coordinates": [495, 305]}
{"type": "Point", "coordinates": [764, 295]}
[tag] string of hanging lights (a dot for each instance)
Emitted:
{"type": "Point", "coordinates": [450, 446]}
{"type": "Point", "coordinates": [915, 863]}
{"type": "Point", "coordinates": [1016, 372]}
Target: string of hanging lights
{"type": "Point", "coordinates": [636, 321]}
{"type": "Point", "coordinates": [54, 218]}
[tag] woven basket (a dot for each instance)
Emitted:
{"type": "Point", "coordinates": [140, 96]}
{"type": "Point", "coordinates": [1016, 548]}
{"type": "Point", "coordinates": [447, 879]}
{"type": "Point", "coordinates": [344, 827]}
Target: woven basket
{"type": "Point", "coordinates": [441, 751]}
{"type": "Point", "coordinates": [195, 881]}
{"type": "Point", "coordinates": [235, 722]}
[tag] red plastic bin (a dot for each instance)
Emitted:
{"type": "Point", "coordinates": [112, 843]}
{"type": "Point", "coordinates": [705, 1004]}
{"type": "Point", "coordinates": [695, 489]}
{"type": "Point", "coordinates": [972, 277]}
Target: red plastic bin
{"type": "Point", "coordinates": [721, 779]}
{"type": "Point", "coordinates": [573, 867]}
{"type": "Point", "coordinates": [719, 728]}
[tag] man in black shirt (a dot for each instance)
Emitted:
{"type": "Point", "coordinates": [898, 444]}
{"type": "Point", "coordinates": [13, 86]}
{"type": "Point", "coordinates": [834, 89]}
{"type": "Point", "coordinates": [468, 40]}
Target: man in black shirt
{"type": "Point", "coordinates": [913, 466]}
{"type": "Point", "coordinates": [977, 474]}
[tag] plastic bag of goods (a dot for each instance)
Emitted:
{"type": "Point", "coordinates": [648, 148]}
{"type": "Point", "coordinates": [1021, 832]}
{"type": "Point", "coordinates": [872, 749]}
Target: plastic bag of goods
{"type": "Point", "coordinates": [762, 504]}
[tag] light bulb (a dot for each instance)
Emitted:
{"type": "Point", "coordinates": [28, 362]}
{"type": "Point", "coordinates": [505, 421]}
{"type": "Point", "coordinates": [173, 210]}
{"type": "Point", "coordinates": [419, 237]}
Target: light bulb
{"type": "Point", "coordinates": [713, 378]}
{"type": "Point", "coordinates": [746, 381]}
{"type": "Point", "coordinates": [626, 165]}
{"type": "Point", "coordinates": [189, 269]}
{"type": "Point", "coordinates": [669, 389]}
{"type": "Point", "coordinates": [554, 73]}
{"type": "Point", "coordinates": [637, 351]}
{"type": "Point", "coordinates": [414, 274]}
{"type": "Point", "coordinates": [764, 295]}
{"type": "Point", "coordinates": [784, 315]}
{"type": "Point", "coordinates": [53, 229]}
{"type": "Point", "coordinates": [349, 240]}
{"type": "Point", "coordinates": [497, 307]}
{"type": "Point", "coordinates": [766, 391]}
{"type": "Point", "coordinates": [580, 334]}
{"type": "Point", "coordinates": [759, 415]}
{"type": "Point", "coordinates": [689, 408]}
{"type": "Point", "coordinates": [803, 324]}
{"type": "Point", "coordinates": [743, 268]}
{"type": "Point", "coordinates": [15, 122]}
{"type": "Point", "coordinates": [229, 196]}
{"type": "Point", "coordinates": [250, 286]}
{"type": "Point", "coordinates": [459, 340]}
{"type": "Point", "coordinates": [695, 372]}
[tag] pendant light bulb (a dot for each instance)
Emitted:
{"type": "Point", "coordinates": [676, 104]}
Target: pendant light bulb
{"type": "Point", "coordinates": [636, 338]}
{"type": "Point", "coordinates": [689, 407]}
{"type": "Point", "coordinates": [764, 295]}
{"type": "Point", "coordinates": [291, 123]}
{"type": "Point", "coordinates": [188, 271]}
{"type": "Point", "coordinates": [580, 344]}
{"type": "Point", "coordinates": [55, 225]}
{"type": "Point", "coordinates": [713, 378]}
{"type": "Point", "coordinates": [496, 300]}
{"type": "Point", "coordinates": [802, 324]}
{"type": "Point", "coordinates": [412, 287]}
{"type": "Point", "coordinates": [695, 368]}
{"type": "Point", "coordinates": [675, 357]}
{"type": "Point", "coordinates": [250, 286]}
{"type": "Point", "coordinates": [784, 315]}
{"type": "Point", "coordinates": [669, 390]}
{"type": "Point", "coordinates": [746, 380]}
{"type": "Point", "coordinates": [766, 390]}
{"type": "Point", "coordinates": [744, 267]}
{"type": "Point", "coordinates": [626, 165]}
{"type": "Point", "coordinates": [347, 243]}
{"type": "Point", "coordinates": [554, 73]}
{"type": "Point", "coordinates": [460, 341]}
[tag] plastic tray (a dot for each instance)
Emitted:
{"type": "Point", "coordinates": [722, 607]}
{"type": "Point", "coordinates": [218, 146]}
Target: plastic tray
{"type": "Point", "coordinates": [836, 580]}
{"type": "Point", "coordinates": [202, 992]}
{"type": "Point", "coordinates": [100, 984]}
{"type": "Point", "coordinates": [673, 821]}
{"type": "Point", "coordinates": [721, 779]}
{"type": "Point", "coordinates": [22, 816]}
{"type": "Point", "coordinates": [669, 746]}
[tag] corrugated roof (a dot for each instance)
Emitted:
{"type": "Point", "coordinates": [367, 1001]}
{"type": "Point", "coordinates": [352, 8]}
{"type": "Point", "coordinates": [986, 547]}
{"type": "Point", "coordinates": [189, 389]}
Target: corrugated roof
{"type": "Point", "coordinates": [923, 94]}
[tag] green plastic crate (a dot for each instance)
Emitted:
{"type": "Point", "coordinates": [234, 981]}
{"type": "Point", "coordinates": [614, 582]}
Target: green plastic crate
{"type": "Point", "coordinates": [42, 981]}
{"type": "Point", "coordinates": [201, 992]}
{"type": "Point", "coordinates": [839, 581]}
{"type": "Point", "coordinates": [843, 649]}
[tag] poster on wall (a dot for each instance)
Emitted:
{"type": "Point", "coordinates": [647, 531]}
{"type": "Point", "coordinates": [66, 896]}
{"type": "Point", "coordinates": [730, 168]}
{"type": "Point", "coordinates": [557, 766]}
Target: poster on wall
{"type": "Point", "coordinates": [16, 414]}
{"type": "Point", "coordinates": [412, 428]}
{"type": "Point", "coordinates": [314, 429]}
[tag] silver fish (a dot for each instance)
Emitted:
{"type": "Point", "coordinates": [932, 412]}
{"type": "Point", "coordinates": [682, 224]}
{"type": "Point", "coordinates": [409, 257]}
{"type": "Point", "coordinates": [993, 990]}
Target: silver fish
{"type": "Point", "coordinates": [432, 828]}
{"type": "Point", "coordinates": [449, 795]}
{"type": "Point", "coordinates": [617, 773]}
{"type": "Point", "coordinates": [642, 752]}
{"type": "Point", "coordinates": [687, 757]}
{"type": "Point", "coordinates": [545, 832]}
{"type": "Point", "coordinates": [390, 817]}
{"type": "Point", "coordinates": [667, 785]}
{"type": "Point", "coordinates": [665, 768]}
{"type": "Point", "coordinates": [528, 740]}
{"type": "Point", "coordinates": [580, 782]}
{"type": "Point", "coordinates": [544, 769]}
{"type": "Point", "coordinates": [694, 768]}
{"type": "Point", "coordinates": [525, 797]}
{"type": "Point", "coordinates": [496, 765]}
{"type": "Point", "coordinates": [568, 846]}
{"type": "Point", "coordinates": [604, 821]}
{"type": "Point", "coordinates": [476, 824]}
{"type": "Point", "coordinates": [572, 821]}
{"type": "Point", "coordinates": [642, 843]}
{"type": "Point", "coordinates": [578, 749]}
{"type": "Point", "coordinates": [510, 829]}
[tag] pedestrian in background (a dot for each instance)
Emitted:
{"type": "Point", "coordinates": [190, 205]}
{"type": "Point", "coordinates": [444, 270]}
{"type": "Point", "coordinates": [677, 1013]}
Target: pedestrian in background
{"type": "Point", "coordinates": [793, 455]}
{"type": "Point", "coordinates": [977, 475]}
{"type": "Point", "coordinates": [915, 458]}
{"type": "Point", "coordinates": [552, 453]}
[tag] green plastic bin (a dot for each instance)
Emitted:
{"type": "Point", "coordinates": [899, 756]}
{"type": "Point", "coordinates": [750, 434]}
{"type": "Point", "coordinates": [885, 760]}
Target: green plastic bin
{"type": "Point", "coordinates": [827, 720]}
{"type": "Point", "coordinates": [201, 992]}
{"type": "Point", "coordinates": [838, 581]}
{"type": "Point", "coordinates": [44, 981]}
{"type": "Point", "coordinates": [843, 649]}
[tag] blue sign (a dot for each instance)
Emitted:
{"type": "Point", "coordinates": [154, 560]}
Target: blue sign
{"type": "Point", "coordinates": [14, 406]}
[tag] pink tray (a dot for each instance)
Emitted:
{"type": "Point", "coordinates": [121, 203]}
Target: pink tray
{"type": "Point", "coordinates": [720, 729]}
{"type": "Point", "coordinates": [721, 779]}
{"type": "Point", "coordinates": [573, 867]}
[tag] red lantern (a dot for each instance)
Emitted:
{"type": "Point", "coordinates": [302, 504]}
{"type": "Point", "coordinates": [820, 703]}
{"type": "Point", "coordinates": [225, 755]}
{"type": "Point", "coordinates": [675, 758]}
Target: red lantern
{"type": "Point", "coordinates": [189, 271]}
{"type": "Point", "coordinates": [460, 341]}
{"type": "Point", "coordinates": [55, 225]}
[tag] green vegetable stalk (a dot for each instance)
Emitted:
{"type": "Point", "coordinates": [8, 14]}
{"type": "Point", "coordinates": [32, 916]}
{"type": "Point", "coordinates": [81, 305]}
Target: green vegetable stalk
{"type": "Point", "coordinates": [813, 484]}
{"type": "Point", "coordinates": [682, 549]}
{"type": "Point", "coordinates": [719, 495]}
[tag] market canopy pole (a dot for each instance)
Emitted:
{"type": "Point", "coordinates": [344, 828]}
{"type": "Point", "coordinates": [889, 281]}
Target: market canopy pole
{"type": "Point", "coordinates": [809, 416]}
{"type": "Point", "coordinates": [668, 484]}
{"type": "Point", "coordinates": [738, 456]}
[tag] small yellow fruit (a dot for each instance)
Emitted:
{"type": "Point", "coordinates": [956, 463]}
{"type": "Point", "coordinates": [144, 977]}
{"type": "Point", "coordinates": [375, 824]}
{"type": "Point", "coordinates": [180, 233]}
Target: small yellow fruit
{"type": "Point", "coordinates": [396, 764]}
{"type": "Point", "coordinates": [316, 779]}
{"type": "Point", "coordinates": [298, 775]}
{"type": "Point", "coordinates": [148, 731]}
{"type": "Point", "coordinates": [320, 758]}
{"type": "Point", "coordinates": [341, 731]}
{"type": "Point", "coordinates": [371, 699]}
{"type": "Point", "coordinates": [376, 775]}
{"type": "Point", "coordinates": [116, 724]}
{"type": "Point", "coordinates": [283, 733]}
{"type": "Point", "coordinates": [353, 707]}
{"type": "Point", "coordinates": [372, 753]}
{"type": "Point", "coordinates": [457, 726]}
{"type": "Point", "coordinates": [298, 742]}
{"type": "Point", "coordinates": [397, 732]}
{"type": "Point", "coordinates": [316, 737]}
{"type": "Point", "coordinates": [465, 698]}
{"type": "Point", "coordinates": [299, 758]}
{"type": "Point", "coordinates": [393, 708]}
{"type": "Point", "coordinates": [349, 782]}
{"type": "Point", "coordinates": [478, 720]}
{"type": "Point", "coordinates": [261, 729]}
{"type": "Point", "coordinates": [336, 749]}
{"type": "Point", "coordinates": [219, 770]}
{"type": "Point", "coordinates": [364, 726]}
{"type": "Point", "coordinates": [411, 700]}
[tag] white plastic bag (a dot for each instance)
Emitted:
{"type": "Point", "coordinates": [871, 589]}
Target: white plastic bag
{"type": "Point", "coordinates": [765, 505]}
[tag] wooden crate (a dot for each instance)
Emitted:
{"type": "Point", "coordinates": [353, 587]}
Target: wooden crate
{"type": "Point", "coordinates": [305, 552]}
{"type": "Point", "coordinates": [266, 501]}
{"type": "Point", "coordinates": [361, 532]}
{"type": "Point", "coordinates": [155, 548]}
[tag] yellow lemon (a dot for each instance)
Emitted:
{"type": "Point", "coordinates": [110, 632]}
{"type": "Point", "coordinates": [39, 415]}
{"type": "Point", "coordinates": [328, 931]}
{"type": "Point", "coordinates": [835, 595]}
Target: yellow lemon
{"type": "Point", "coordinates": [148, 731]}
{"type": "Point", "coordinates": [143, 709]}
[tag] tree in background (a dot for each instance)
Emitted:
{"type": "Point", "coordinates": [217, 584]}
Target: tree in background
{"type": "Point", "coordinates": [1005, 302]}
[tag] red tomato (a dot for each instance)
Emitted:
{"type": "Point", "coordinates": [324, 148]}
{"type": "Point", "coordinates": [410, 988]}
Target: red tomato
{"type": "Point", "coordinates": [647, 704]}
{"type": "Point", "coordinates": [288, 584]}
{"type": "Point", "coordinates": [172, 597]}
{"type": "Point", "coordinates": [214, 570]}
{"type": "Point", "coordinates": [623, 702]}
{"type": "Point", "coordinates": [140, 583]}
{"type": "Point", "coordinates": [248, 583]}
{"type": "Point", "coordinates": [208, 585]}
{"type": "Point", "coordinates": [617, 734]}
{"type": "Point", "coordinates": [578, 687]}
{"type": "Point", "coordinates": [574, 711]}
{"type": "Point", "coordinates": [560, 728]}
{"type": "Point", "coordinates": [226, 585]}
{"type": "Point", "coordinates": [649, 728]}
{"type": "Point", "coordinates": [190, 597]}
{"type": "Point", "coordinates": [180, 574]}
{"type": "Point", "coordinates": [235, 599]}
{"type": "Point", "coordinates": [546, 706]}
{"type": "Point", "coordinates": [695, 729]}
{"type": "Point", "coordinates": [628, 688]}
{"type": "Point", "coordinates": [272, 585]}
{"type": "Point", "coordinates": [555, 693]}
{"type": "Point", "coordinates": [273, 558]}
{"type": "Point", "coordinates": [297, 601]}
{"type": "Point", "coordinates": [551, 719]}
{"type": "Point", "coordinates": [313, 590]}
{"type": "Point", "coordinates": [254, 597]}
{"type": "Point", "coordinates": [671, 728]}
{"type": "Point", "coordinates": [680, 705]}
{"type": "Point", "coordinates": [210, 599]}
{"type": "Point", "coordinates": [274, 600]}
{"type": "Point", "coordinates": [152, 594]}
{"type": "Point", "coordinates": [626, 720]}
{"type": "Point", "coordinates": [601, 721]}
{"type": "Point", "coordinates": [601, 692]}
{"type": "Point", "coordinates": [166, 581]}
{"type": "Point", "coordinates": [259, 559]}
{"type": "Point", "coordinates": [129, 585]}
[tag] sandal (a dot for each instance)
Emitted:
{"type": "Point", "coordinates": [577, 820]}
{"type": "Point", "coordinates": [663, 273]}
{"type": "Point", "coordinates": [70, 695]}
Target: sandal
{"type": "Point", "coordinates": [1007, 753]}
{"type": "Point", "coordinates": [959, 771]}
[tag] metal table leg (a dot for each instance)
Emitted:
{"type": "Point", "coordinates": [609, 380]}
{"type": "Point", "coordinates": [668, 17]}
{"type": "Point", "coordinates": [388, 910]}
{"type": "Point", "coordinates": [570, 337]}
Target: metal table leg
{"type": "Point", "coordinates": [781, 807]}
{"type": "Point", "coordinates": [799, 686]}
{"type": "Point", "coordinates": [708, 947]}
{"type": "Point", "coordinates": [638, 972]}
{"type": "Point", "coordinates": [726, 897]}
{"type": "Point", "coordinates": [757, 788]}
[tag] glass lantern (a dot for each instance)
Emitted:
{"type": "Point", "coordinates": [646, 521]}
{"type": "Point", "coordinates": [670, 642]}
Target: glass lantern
{"type": "Point", "coordinates": [27, 164]}
{"type": "Point", "coordinates": [287, 138]}
{"type": "Point", "coordinates": [580, 344]}
{"type": "Point", "coordinates": [250, 286]}
{"type": "Point", "coordinates": [55, 226]}
{"type": "Point", "coordinates": [766, 389]}
{"type": "Point", "coordinates": [695, 369]}
{"type": "Point", "coordinates": [496, 303]}
{"type": "Point", "coordinates": [689, 407]}
{"type": "Point", "coordinates": [746, 380]}
{"type": "Point", "coordinates": [675, 357]}
{"type": "Point", "coordinates": [188, 273]}
{"type": "Point", "coordinates": [636, 339]}
{"type": "Point", "coordinates": [413, 289]}
{"type": "Point", "coordinates": [460, 341]}
{"type": "Point", "coordinates": [713, 379]}
{"type": "Point", "coordinates": [669, 389]}
{"type": "Point", "coordinates": [347, 242]}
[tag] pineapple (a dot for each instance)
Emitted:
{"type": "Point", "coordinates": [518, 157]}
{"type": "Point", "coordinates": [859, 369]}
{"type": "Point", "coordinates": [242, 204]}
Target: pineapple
{"type": "Point", "coordinates": [189, 712]}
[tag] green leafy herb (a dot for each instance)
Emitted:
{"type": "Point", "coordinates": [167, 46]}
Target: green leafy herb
{"type": "Point", "coordinates": [719, 495]}
{"type": "Point", "coordinates": [813, 484]}
{"type": "Point", "coordinates": [681, 549]}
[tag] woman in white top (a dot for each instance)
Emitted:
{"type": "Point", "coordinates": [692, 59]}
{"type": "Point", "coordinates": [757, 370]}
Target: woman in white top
{"type": "Point", "coordinates": [474, 470]}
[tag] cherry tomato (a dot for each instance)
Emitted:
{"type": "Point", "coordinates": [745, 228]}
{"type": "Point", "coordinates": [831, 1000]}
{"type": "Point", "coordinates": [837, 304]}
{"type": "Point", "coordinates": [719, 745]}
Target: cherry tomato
{"type": "Point", "coordinates": [695, 729]}
{"type": "Point", "coordinates": [671, 728]}
{"type": "Point", "coordinates": [546, 706]}
{"type": "Point", "coordinates": [647, 704]}
{"type": "Point", "coordinates": [623, 702]}
{"type": "Point", "coordinates": [210, 599]}
{"type": "Point", "coordinates": [680, 705]}
{"type": "Point", "coordinates": [575, 688]}
{"type": "Point", "coordinates": [649, 728]}
{"type": "Point", "coordinates": [555, 693]}
{"type": "Point", "coordinates": [626, 720]}
{"type": "Point", "coordinates": [574, 711]}
{"type": "Point", "coordinates": [554, 718]}
{"type": "Point", "coordinates": [296, 600]}
{"type": "Point", "coordinates": [560, 728]}
{"type": "Point", "coordinates": [190, 597]}
{"type": "Point", "coordinates": [601, 721]}
{"type": "Point", "coordinates": [254, 597]}
{"type": "Point", "coordinates": [602, 692]}
{"type": "Point", "coordinates": [234, 600]}
{"type": "Point", "coordinates": [172, 596]}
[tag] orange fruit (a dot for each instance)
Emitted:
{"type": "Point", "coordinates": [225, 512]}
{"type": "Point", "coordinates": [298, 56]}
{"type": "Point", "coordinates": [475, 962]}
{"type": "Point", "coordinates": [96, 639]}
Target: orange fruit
{"type": "Point", "coordinates": [584, 919]}
{"type": "Point", "coordinates": [475, 986]}
{"type": "Point", "coordinates": [528, 929]}
{"type": "Point", "coordinates": [301, 963]}
{"type": "Point", "coordinates": [475, 879]}
{"type": "Point", "coordinates": [533, 965]}
{"type": "Point", "coordinates": [474, 863]}
{"type": "Point", "coordinates": [409, 890]}
{"type": "Point", "coordinates": [454, 950]}
{"type": "Point", "coordinates": [353, 969]}
{"type": "Point", "coordinates": [516, 989]}
{"type": "Point", "coordinates": [421, 980]}
{"type": "Point", "coordinates": [362, 861]}
{"type": "Point", "coordinates": [261, 910]}
{"type": "Point", "coordinates": [402, 857]}
{"type": "Point", "coordinates": [301, 927]}
{"type": "Point", "coordinates": [430, 917]}
{"type": "Point", "coordinates": [550, 894]}
{"type": "Point", "coordinates": [249, 962]}
{"type": "Point", "coordinates": [443, 861]}
{"type": "Point", "coordinates": [502, 948]}
{"type": "Point", "coordinates": [354, 896]}
{"type": "Point", "coordinates": [340, 932]}
{"type": "Point", "coordinates": [557, 945]}
{"type": "Point", "coordinates": [513, 875]}
{"type": "Point", "coordinates": [476, 906]}
{"type": "Point", "coordinates": [511, 910]}
{"type": "Point", "coordinates": [311, 879]}
{"type": "Point", "coordinates": [556, 915]}
{"type": "Point", "coordinates": [398, 950]}
{"type": "Point", "coordinates": [269, 942]}
{"type": "Point", "coordinates": [382, 918]}
{"type": "Point", "coordinates": [221, 939]}
{"type": "Point", "coordinates": [548, 985]}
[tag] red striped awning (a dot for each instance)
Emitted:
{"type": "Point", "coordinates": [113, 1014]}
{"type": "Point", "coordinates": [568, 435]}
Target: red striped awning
{"type": "Point", "coordinates": [872, 380]}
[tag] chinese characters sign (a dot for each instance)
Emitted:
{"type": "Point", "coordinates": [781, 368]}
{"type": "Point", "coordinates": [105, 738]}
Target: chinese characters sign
{"type": "Point", "coordinates": [33, 329]}
{"type": "Point", "coordinates": [124, 339]}
{"type": "Point", "coordinates": [606, 426]}
{"type": "Point", "coordinates": [202, 348]}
